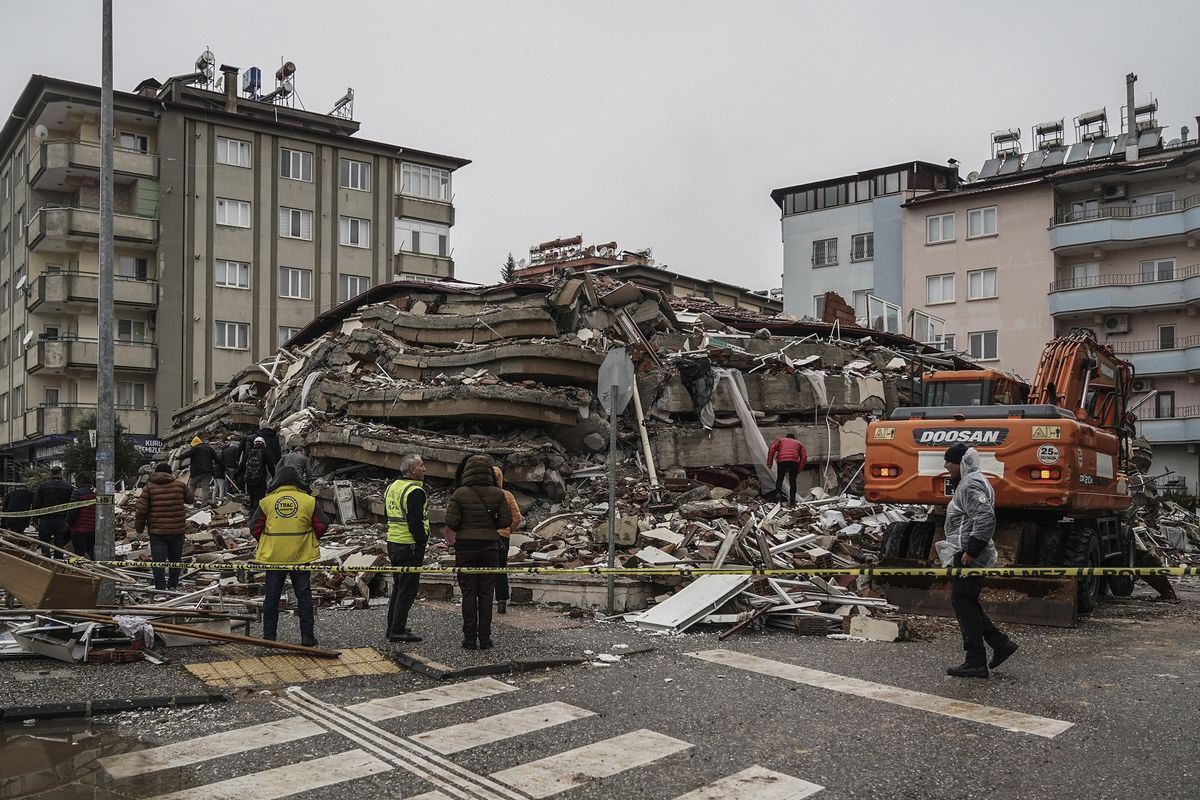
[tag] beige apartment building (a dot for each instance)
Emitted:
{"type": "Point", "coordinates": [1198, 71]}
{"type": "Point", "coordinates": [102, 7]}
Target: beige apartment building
{"type": "Point", "coordinates": [237, 220]}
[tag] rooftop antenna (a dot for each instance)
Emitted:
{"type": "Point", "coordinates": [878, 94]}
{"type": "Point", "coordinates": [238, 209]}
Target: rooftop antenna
{"type": "Point", "coordinates": [344, 107]}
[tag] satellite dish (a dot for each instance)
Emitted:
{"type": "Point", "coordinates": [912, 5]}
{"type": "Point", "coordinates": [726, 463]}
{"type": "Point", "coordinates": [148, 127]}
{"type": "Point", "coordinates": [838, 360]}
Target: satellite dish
{"type": "Point", "coordinates": [40, 132]}
{"type": "Point", "coordinates": [972, 177]}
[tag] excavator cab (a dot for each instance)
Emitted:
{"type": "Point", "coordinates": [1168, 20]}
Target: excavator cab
{"type": "Point", "coordinates": [977, 387]}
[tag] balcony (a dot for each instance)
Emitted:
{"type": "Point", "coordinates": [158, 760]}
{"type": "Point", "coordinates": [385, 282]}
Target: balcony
{"type": "Point", "coordinates": [428, 210]}
{"type": "Point", "coordinates": [1153, 357]}
{"type": "Point", "coordinates": [1181, 426]}
{"type": "Point", "coordinates": [59, 356]}
{"type": "Point", "coordinates": [1125, 223]}
{"type": "Point", "coordinates": [54, 161]}
{"type": "Point", "coordinates": [74, 291]}
{"type": "Point", "coordinates": [50, 226]}
{"type": "Point", "coordinates": [420, 264]}
{"type": "Point", "coordinates": [1126, 291]}
{"type": "Point", "coordinates": [47, 420]}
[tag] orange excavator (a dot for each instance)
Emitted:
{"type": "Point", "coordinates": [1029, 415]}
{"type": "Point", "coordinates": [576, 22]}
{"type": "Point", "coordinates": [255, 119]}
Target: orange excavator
{"type": "Point", "coordinates": [1052, 450]}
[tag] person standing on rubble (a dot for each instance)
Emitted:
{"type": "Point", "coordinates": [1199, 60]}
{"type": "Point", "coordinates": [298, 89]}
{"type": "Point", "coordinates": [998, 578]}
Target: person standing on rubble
{"type": "Point", "coordinates": [231, 464]}
{"type": "Point", "coordinates": [160, 509]}
{"type": "Point", "coordinates": [476, 512]}
{"type": "Point", "coordinates": [515, 509]}
{"type": "Point", "coordinates": [82, 521]}
{"type": "Point", "coordinates": [287, 525]}
{"type": "Point", "coordinates": [203, 461]}
{"type": "Point", "coordinates": [296, 458]}
{"type": "Point", "coordinates": [970, 524]}
{"type": "Point", "coordinates": [790, 455]}
{"type": "Point", "coordinates": [407, 534]}
{"type": "Point", "coordinates": [52, 528]}
{"type": "Point", "coordinates": [256, 471]}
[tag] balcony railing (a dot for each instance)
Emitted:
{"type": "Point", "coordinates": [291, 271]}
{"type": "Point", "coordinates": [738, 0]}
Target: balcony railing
{"type": "Point", "coordinates": [1126, 279]}
{"type": "Point", "coordinates": [62, 418]}
{"type": "Point", "coordinates": [1155, 345]}
{"type": "Point", "coordinates": [1124, 212]}
{"type": "Point", "coordinates": [1179, 412]}
{"type": "Point", "coordinates": [72, 353]}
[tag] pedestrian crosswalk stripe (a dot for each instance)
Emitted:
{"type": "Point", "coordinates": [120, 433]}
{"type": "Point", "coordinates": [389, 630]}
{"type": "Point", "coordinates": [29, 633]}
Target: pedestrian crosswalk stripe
{"type": "Point", "coordinates": [218, 745]}
{"type": "Point", "coordinates": [287, 780]}
{"type": "Point", "coordinates": [563, 771]}
{"type": "Point", "coordinates": [999, 717]}
{"type": "Point", "coordinates": [412, 702]}
{"type": "Point", "coordinates": [456, 738]}
{"type": "Point", "coordinates": [755, 783]}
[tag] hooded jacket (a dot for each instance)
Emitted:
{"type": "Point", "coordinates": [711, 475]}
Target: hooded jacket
{"type": "Point", "coordinates": [160, 505]}
{"type": "Point", "coordinates": [82, 521]}
{"type": "Point", "coordinates": [514, 508]}
{"type": "Point", "coordinates": [287, 523]}
{"type": "Point", "coordinates": [970, 517]}
{"type": "Point", "coordinates": [477, 510]}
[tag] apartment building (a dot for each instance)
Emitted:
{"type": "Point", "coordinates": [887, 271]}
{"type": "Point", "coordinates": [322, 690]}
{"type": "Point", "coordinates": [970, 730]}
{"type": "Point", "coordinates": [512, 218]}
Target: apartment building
{"type": "Point", "coordinates": [238, 218]}
{"type": "Point", "coordinates": [844, 235]}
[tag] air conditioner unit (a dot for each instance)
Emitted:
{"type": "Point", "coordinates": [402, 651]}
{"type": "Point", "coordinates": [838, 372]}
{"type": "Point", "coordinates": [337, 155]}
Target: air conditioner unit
{"type": "Point", "coordinates": [1114, 191]}
{"type": "Point", "coordinates": [1117, 323]}
{"type": "Point", "coordinates": [1142, 385]}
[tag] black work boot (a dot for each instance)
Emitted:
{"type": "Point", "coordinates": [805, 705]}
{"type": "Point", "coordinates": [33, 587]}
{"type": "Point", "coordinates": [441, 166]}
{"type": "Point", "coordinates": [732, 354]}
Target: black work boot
{"type": "Point", "coordinates": [501, 606]}
{"type": "Point", "coordinates": [968, 670]}
{"type": "Point", "coordinates": [1002, 653]}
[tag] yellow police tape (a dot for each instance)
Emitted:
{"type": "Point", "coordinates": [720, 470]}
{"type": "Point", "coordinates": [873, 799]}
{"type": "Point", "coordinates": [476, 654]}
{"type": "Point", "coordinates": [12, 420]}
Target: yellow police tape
{"type": "Point", "coordinates": [101, 500]}
{"type": "Point", "coordinates": [929, 572]}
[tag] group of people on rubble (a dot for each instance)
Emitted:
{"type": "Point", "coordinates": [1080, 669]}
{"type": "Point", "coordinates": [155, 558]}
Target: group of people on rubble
{"type": "Point", "coordinates": [249, 464]}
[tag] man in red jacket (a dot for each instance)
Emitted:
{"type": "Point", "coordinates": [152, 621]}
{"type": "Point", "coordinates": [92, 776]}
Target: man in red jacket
{"type": "Point", "coordinates": [789, 454]}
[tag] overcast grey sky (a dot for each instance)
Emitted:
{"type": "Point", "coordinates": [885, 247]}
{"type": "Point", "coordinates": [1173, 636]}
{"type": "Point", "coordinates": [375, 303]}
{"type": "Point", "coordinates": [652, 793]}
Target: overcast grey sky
{"type": "Point", "coordinates": [657, 124]}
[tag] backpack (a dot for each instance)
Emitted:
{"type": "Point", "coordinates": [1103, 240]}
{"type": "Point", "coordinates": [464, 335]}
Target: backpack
{"type": "Point", "coordinates": [255, 465]}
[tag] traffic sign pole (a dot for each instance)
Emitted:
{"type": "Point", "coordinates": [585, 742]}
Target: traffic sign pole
{"type": "Point", "coordinates": [612, 502]}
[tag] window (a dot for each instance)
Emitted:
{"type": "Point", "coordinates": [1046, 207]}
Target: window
{"type": "Point", "coordinates": [861, 314]}
{"type": "Point", "coordinates": [981, 345]}
{"type": "Point", "coordinates": [131, 330]}
{"type": "Point", "coordinates": [939, 228]}
{"type": "Point", "coordinates": [1084, 209]}
{"type": "Point", "coordinates": [980, 222]}
{"type": "Point", "coordinates": [131, 267]}
{"type": "Point", "coordinates": [426, 238]}
{"type": "Point", "coordinates": [50, 332]}
{"type": "Point", "coordinates": [286, 333]}
{"type": "Point", "coordinates": [862, 247]}
{"type": "Point", "coordinates": [233, 212]}
{"type": "Point", "coordinates": [818, 306]}
{"type": "Point", "coordinates": [981, 284]}
{"type": "Point", "coordinates": [50, 395]}
{"type": "Point", "coordinates": [4, 352]}
{"type": "Point", "coordinates": [1164, 405]}
{"type": "Point", "coordinates": [824, 252]}
{"type": "Point", "coordinates": [1157, 203]}
{"type": "Point", "coordinates": [947, 342]}
{"type": "Point", "coordinates": [134, 141]}
{"type": "Point", "coordinates": [4, 242]}
{"type": "Point", "coordinates": [3, 407]}
{"type": "Point", "coordinates": [18, 342]}
{"type": "Point", "coordinates": [18, 400]}
{"type": "Point", "coordinates": [53, 269]}
{"type": "Point", "coordinates": [862, 191]}
{"type": "Point", "coordinates": [1085, 274]}
{"type": "Point", "coordinates": [419, 180]}
{"type": "Point", "coordinates": [131, 394]}
{"type": "Point", "coordinates": [355, 175]}
{"type": "Point", "coordinates": [295, 223]}
{"type": "Point", "coordinates": [1166, 337]}
{"type": "Point", "coordinates": [19, 165]}
{"type": "Point", "coordinates": [355, 232]}
{"type": "Point", "coordinates": [939, 289]}
{"type": "Point", "coordinates": [232, 335]}
{"type": "Point", "coordinates": [19, 224]}
{"type": "Point", "coordinates": [1158, 270]}
{"type": "Point", "coordinates": [295, 164]}
{"type": "Point", "coordinates": [295, 283]}
{"type": "Point", "coordinates": [6, 184]}
{"type": "Point", "coordinates": [233, 151]}
{"type": "Point", "coordinates": [231, 274]}
{"type": "Point", "coordinates": [352, 286]}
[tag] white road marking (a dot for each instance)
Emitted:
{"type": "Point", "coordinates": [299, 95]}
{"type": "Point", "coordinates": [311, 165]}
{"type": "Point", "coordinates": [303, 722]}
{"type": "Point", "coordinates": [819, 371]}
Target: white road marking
{"type": "Point", "coordinates": [755, 783]}
{"type": "Point", "coordinates": [999, 717]}
{"type": "Point", "coordinates": [456, 738]}
{"type": "Point", "coordinates": [432, 796]}
{"type": "Point", "coordinates": [287, 780]}
{"type": "Point", "coordinates": [412, 702]}
{"type": "Point", "coordinates": [563, 771]}
{"type": "Point", "coordinates": [218, 745]}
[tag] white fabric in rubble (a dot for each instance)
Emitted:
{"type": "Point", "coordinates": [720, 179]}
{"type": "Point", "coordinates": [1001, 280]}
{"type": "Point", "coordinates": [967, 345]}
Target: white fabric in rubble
{"type": "Point", "coordinates": [817, 379]}
{"type": "Point", "coordinates": [869, 387]}
{"type": "Point", "coordinates": [754, 437]}
{"type": "Point", "coordinates": [135, 627]}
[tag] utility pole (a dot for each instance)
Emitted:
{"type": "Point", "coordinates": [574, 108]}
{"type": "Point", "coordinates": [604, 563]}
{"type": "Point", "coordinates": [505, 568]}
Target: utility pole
{"type": "Point", "coordinates": [105, 463]}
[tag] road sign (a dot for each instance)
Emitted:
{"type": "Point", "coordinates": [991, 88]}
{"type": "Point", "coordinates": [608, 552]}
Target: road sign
{"type": "Point", "coordinates": [616, 371]}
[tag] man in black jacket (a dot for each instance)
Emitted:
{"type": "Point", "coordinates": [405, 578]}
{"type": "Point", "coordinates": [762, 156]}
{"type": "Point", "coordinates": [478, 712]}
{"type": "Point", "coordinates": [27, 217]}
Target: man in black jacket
{"type": "Point", "coordinates": [52, 528]}
{"type": "Point", "coordinates": [231, 462]}
{"type": "Point", "coordinates": [203, 462]}
{"type": "Point", "coordinates": [19, 498]}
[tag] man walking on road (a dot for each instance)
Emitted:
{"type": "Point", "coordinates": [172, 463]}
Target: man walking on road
{"type": "Point", "coordinates": [160, 509]}
{"type": "Point", "coordinates": [287, 525]}
{"type": "Point", "coordinates": [52, 528]}
{"type": "Point", "coordinates": [970, 523]}
{"type": "Point", "coordinates": [407, 533]}
{"type": "Point", "coordinates": [791, 457]}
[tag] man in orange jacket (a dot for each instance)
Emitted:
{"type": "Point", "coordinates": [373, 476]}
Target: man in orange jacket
{"type": "Point", "coordinates": [791, 457]}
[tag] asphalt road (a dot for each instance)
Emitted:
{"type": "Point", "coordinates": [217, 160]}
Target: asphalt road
{"type": "Point", "coordinates": [1116, 699]}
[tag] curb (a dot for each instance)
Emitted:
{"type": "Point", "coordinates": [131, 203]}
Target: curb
{"type": "Point", "coordinates": [91, 708]}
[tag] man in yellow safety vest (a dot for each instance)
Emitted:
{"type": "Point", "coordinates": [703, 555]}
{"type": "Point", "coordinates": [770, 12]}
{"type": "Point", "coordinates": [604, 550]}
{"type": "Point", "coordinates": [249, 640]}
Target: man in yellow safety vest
{"type": "Point", "coordinates": [287, 525]}
{"type": "Point", "coordinates": [407, 533]}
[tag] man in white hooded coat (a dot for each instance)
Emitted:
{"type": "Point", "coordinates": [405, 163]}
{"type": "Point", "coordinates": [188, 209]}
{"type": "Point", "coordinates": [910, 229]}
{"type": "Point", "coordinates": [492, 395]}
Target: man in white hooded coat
{"type": "Point", "coordinates": [970, 524]}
